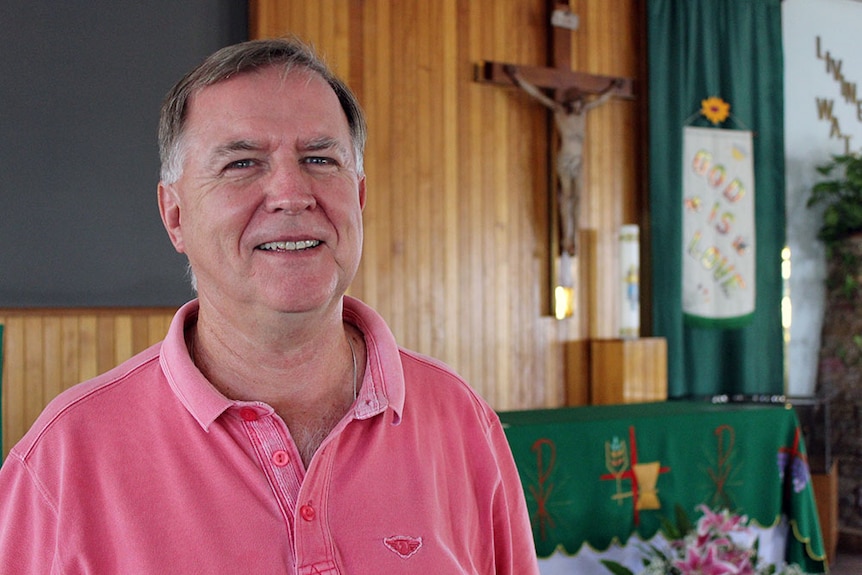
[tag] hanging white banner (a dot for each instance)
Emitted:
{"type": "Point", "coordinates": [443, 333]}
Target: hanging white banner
{"type": "Point", "coordinates": [718, 283]}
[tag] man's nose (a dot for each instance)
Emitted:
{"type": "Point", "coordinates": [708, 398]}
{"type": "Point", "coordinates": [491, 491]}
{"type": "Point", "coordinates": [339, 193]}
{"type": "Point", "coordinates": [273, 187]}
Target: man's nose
{"type": "Point", "coordinates": [290, 190]}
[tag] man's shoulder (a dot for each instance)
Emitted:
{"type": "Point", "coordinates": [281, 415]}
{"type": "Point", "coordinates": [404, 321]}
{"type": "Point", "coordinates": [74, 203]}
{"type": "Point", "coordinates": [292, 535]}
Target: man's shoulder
{"type": "Point", "coordinates": [434, 383]}
{"type": "Point", "coordinates": [106, 393]}
{"type": "Point", "coordinates": [429, 367]}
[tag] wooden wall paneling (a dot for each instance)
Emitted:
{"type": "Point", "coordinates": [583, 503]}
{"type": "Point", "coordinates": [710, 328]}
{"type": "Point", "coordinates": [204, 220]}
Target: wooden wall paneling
{"type": "Point", "coordinates": [435, 239]}
{"type": "Point", "coordinates": [375, 272]}
{"type": "Point", "coordinates": [324, 23]}
{"type": "Point", "coordinates": [402, 194]}
{"type": "Point", "coordinates": [524, 235]}
{"type": "Point", "coordinates": [52, 357]}
{"type": "Point", "coordinates": [422, 177]}
{"type": "Point", "coordinates": [88, 350]}
{"type": "Point", "coordinates": [105, 336]}
{"type": "Point", "coordinates": [470, 122]}
{"type": "Point", "coordinates": [14, 416]}
{"type": "Point", "coordinates": [448, 246]}
{"type": "Point", "coordinates": [433, 160]}
{"type": "Point", "coordinates": [471, 102]}
{"type": "Point", "coordinates": [496, 195]}
{"type": "Point", "coordinates": [34, 399]}
{"type": "Point", "coordinates": [122, 338]}
{"type": "Point", "coordinates": [491, 139]}
{"type": "Point", "coordinates": [70, 357]}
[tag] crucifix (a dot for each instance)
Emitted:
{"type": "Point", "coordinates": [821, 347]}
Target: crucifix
{"type": "Point", "coordinates": [569, 95]}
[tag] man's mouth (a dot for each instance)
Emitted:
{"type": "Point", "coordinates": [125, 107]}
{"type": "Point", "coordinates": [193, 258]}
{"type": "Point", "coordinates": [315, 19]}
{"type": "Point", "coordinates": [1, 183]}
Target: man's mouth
{"type": "Point", "coordinates": [289, 246]}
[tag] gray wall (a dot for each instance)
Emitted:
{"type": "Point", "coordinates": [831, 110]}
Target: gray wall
{"type": "Point", "coordinates": [81, 82]}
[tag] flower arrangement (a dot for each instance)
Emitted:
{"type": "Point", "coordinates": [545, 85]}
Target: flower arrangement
{"type": "Point", "coordinates": [715, 546]}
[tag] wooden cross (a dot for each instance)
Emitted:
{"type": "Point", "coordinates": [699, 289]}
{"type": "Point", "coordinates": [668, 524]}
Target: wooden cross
{"type": "Point", "coordinates": [571, 96]}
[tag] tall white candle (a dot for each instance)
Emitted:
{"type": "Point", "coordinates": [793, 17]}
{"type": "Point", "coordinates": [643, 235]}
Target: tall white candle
{"type": "Point", "coordinates": [630, 309]}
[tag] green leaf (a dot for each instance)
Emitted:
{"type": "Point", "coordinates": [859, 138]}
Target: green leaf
{"type": "Point", "coordinates": [669, 529]}
{"type": "Point", "coordinates": [616, 568]}
{"type": "Point", "coordinates": [683, 522]}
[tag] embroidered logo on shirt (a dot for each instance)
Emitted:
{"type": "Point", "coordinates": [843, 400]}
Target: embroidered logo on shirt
{"type": "Point", "coordinates": [403, 545]}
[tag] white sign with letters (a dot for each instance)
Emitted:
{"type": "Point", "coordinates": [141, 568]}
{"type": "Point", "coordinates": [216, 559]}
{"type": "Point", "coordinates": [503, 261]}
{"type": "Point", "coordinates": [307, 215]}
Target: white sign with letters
{"type": "Point", "coordinates": [718, 226]}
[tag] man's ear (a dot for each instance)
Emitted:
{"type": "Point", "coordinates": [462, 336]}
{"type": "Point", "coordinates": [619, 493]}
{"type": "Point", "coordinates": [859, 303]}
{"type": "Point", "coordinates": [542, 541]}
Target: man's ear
{"type": "Point", "coordinates": [362, 193]}
{"type": "Point", "coordinates": [169, 208]}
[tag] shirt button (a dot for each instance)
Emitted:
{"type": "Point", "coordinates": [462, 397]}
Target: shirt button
{"type": "Point", "coordinates": [280, 458]}
{"type": "Point", "coordinates": [248, 414]}
{"type": "Point", "coordinates": [307, 512]}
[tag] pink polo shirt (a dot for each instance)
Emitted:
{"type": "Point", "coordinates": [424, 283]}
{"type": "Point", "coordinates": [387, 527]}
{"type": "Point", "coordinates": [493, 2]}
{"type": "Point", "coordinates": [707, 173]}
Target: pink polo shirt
{"type": "Point", "coordinates": [147, 469]}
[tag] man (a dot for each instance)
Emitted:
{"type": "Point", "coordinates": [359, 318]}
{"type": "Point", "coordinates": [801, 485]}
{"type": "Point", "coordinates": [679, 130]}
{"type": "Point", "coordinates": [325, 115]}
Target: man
{"type": "Point", "coordinates": [277, 428]}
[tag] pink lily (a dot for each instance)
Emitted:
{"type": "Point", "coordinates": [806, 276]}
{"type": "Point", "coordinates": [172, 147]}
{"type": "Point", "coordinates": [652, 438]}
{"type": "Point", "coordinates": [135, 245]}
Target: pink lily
{"type": "Point", "coordinates": [708, 563]}
{"type": "Point", "coordinates": [722, 522]}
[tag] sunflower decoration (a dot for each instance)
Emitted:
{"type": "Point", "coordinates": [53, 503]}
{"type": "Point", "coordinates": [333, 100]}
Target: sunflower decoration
{"type": "Point", "coordinates": [715, 109]}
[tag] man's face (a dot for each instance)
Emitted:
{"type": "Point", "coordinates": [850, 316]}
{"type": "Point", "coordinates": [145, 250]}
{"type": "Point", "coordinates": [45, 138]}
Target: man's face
{"type": "Point", "coordinates": [268, 208]}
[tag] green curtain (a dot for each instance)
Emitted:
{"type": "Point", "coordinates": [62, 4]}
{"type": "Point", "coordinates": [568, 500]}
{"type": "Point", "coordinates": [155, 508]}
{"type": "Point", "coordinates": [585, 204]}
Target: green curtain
{"type": "Point", "coordinates": [731, 49]}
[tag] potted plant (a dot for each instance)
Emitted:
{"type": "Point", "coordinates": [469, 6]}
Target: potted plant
{"type": "Point", "coordinates": [841, 196]}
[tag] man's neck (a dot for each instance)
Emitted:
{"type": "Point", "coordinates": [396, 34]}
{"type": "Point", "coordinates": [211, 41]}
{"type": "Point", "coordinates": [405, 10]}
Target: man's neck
{"type": "Point", "coordinates": [301, 366]}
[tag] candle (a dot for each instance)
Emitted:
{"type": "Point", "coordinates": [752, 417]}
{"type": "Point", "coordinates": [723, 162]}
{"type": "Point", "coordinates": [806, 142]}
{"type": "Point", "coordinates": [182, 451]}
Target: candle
{"type": "Point", "coordinates": [630, 309]}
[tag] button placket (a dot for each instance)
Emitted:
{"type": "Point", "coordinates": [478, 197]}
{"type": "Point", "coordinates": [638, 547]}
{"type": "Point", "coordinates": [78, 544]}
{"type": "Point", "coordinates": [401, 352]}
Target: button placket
{"type": "Point", "coordinates": [271, 442]}
{"type": "Point", "coordinates": [314, 543]}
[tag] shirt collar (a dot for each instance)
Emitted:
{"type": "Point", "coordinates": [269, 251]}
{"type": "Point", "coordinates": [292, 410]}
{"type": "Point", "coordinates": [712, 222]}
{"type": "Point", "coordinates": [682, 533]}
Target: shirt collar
{"type": "Point", "coordinates": [196, 393]}
{"type": "Point", "coordinates": [382, 387]}
{"type": "Point", "coordinates": [383, 384]}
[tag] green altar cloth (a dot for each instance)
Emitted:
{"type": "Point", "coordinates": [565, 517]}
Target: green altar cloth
{"type": "Point", "coordinates": [598, 475]}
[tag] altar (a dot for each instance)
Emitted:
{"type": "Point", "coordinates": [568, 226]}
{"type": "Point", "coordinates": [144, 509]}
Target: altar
{"type": "Point", "coordinates": [599, 479]}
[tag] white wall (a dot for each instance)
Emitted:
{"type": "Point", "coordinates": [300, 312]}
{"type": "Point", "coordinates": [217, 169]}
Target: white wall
{"type": "Point", "coordinates": [812, 76]}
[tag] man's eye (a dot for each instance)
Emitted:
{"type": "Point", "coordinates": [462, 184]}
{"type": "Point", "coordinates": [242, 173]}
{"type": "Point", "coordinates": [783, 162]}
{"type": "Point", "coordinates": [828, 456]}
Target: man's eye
{"type": "Point", "coordinates": [320, 161]}
{"type": "Point", "coordinates": [240, 164]}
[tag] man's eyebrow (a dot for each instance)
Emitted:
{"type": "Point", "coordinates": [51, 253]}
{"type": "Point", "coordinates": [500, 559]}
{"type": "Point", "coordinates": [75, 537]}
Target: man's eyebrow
{"type": "Point", "coordinates": [234, 146]}
{"type": "Point", "coordinates": [323, 143]}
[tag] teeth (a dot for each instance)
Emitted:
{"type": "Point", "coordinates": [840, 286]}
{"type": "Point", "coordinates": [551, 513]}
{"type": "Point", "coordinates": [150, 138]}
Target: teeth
{"type": "Point", "coordinates": [289, 246]}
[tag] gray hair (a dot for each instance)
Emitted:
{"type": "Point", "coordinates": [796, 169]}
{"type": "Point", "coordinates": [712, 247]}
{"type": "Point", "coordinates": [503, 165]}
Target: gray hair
{"type": "Point", "coordinates": [239, 59]}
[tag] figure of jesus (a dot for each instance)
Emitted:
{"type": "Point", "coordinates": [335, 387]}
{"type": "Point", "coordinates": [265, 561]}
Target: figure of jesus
{"type": "Point", "coordinates": [570, 118]}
